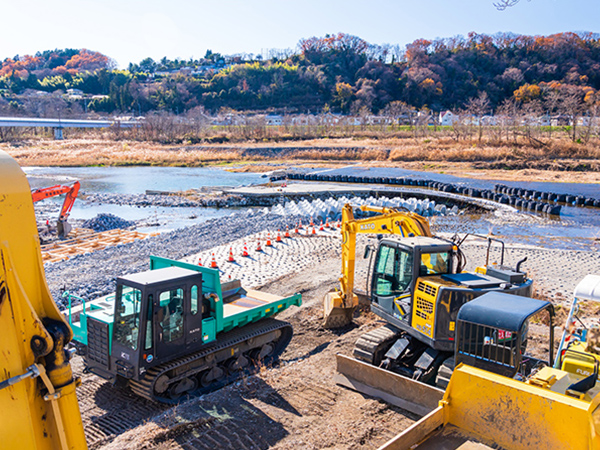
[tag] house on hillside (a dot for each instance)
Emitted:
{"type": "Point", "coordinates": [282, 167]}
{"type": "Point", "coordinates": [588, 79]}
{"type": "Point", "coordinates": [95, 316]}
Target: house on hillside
{"type": "Point", "coordinates": [274, 119]}
{"type": "Point", "coordinates": [448, 118]}
{"type": "Point", "coordinates": [489, 121]}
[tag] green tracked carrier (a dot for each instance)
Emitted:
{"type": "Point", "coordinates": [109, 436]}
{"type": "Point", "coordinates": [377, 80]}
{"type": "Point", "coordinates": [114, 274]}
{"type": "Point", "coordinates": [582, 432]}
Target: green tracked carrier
{"type": "Point", "coordinates": [175, 330]}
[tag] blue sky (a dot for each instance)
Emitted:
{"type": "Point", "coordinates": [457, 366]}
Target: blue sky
{"type": "Point", "coordinates": [130, 30]}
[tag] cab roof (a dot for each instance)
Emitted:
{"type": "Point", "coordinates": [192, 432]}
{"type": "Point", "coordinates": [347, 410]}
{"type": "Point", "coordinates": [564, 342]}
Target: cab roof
{"type": "Point", "coordinates": [158, 276]}
{"type": "Point", "coordinates": [499, 310]}
{"type": "Point", "coordinates": [588, 288]}
{"type": "Point", "coordinates": [420, 241]}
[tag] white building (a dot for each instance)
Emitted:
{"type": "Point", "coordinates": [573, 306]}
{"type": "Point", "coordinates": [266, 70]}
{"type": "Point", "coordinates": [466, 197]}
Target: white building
{"type": "Point", "coordinates": [448, 118]}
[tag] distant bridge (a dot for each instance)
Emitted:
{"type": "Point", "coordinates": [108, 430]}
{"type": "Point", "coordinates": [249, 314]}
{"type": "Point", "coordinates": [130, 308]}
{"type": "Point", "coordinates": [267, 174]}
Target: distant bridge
{"type": "Point", "coordinates": [59, 124]}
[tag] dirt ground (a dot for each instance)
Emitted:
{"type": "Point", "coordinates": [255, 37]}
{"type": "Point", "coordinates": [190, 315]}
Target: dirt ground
{"type": "Point", "coordinates": [293, 405]}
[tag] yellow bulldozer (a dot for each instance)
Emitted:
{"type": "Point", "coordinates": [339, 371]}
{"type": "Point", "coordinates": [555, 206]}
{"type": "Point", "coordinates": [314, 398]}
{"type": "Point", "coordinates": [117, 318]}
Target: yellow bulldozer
{"type": "Point", "coordinates": [499, 396]}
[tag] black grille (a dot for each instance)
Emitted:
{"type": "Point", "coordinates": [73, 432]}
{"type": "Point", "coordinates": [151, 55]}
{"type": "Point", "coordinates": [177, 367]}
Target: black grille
{"type": "Point", "coordinates": [491, 349]}
{"type": "Point", "coordinates": [98, 343]}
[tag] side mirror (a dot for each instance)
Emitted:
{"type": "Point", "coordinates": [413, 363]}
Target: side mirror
{"type": "Point", "coordinates": [367, 251]}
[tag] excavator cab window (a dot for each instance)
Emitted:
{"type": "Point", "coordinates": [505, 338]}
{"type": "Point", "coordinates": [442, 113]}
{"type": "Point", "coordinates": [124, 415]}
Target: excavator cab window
{"type": "Point", "coordinates": [127, 316]}
{"type": "Point", "coordinates": [393, 271]}
{"type": "Point", "coordinates": [435, 263]}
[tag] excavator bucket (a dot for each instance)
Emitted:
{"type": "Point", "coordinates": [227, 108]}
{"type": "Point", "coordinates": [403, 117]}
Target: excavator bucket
{"type": "Point", "coordinates": [336, 313]}
{"type": "Point", "coordinates": [63, 228]}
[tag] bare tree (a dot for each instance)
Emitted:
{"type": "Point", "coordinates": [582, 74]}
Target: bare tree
{"type": "Point", "coordinates": [503, 4]}
{"type": "Point", "coordinates": [508, 114]}
{"type": "Point", "coordinates": [551, 102]}
{"type": "Point", "coordinates": [394, 111]}
{"type": "Point", "coordinates": [478, 107]}
{"type": "Point", "coordinates": [531, 112]}
{"type": "Point", "coordinates": [592, 110]}
{"type": "Point", "coordinates": [571, 106]}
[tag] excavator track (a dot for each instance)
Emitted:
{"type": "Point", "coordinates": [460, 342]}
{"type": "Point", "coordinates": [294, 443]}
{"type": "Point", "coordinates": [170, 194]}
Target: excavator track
{"type": "Point", "coordinates": [372, 346]}
{"type": "Point", "coordinates": [274, 335]}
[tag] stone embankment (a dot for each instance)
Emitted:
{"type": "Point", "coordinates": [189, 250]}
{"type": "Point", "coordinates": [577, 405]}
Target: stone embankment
{"type": "Point", "coordinates": [532, 200]}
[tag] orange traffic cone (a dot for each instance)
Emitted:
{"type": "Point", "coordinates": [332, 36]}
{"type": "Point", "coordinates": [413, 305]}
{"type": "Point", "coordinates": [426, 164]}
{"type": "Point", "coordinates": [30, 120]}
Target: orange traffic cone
{"type": "Point", "coordinates": [200, 261]}
{"type": "Point", "coordinates": [269, 243]}
{"type": "Point", "coordinates": [339, 224]}
{"type": "Point", "coordinates": [213, 262]}
{"type": "Point", "coordinates": [297, 230]}
{"type": "Point", "coordinates": [278, 238]}
{"type": "Point", "coordinates": [231, 258]}
{"type": "Point", "coordinates": [312, 224]}
{"type": "Point", "coordinates": [245, 253]}
{"type": "Point", "coordinates": [327, 225]}
{"type": "Point", "coordinates": [300, 224]}
{"type": "Point", "coordinates": [313, 230]}
{"type": "Point", "coordinates": [258, 247]}
{"type": "Point", "coordinates": [287, 232]}
{"type": "Point", "coordinates": [321, 227]}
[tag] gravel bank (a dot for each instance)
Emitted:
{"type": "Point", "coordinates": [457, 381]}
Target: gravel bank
{"type": "Point", "coordinates": [92, 275]}
{"type": "Point", "coordinates": [556, 272]}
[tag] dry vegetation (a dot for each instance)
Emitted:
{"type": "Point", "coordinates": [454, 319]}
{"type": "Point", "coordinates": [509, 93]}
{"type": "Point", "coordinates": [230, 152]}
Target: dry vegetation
{"type": "Point", "coordinates": [558, 159]}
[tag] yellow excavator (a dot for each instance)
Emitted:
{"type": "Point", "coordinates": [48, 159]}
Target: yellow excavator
{"type": "Point", "coordinates": [38, 404]}
{"type": "Point", "coordinates": [339, 306]}
{"type": "Point", "coordinates": [417, 285]}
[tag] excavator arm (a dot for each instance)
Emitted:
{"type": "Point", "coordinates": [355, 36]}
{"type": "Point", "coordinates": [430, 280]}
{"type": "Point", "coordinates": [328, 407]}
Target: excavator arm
{"type": "Point", "coordinates": [63, 227]}
{"type": "Point", "coordinates": [339, 306]}
{"type": "Point", "coordinates": [38, 405]}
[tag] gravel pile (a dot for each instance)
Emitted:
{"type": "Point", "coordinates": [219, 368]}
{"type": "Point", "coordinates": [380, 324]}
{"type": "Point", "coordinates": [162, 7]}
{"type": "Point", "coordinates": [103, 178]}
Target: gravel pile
{"type": "Point", "coordinates": [105, 222]}
{"type": "Point", "coordinates": [92, 275]}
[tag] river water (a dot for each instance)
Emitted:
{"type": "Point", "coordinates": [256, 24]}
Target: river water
{"type": "Point", "coordinates": [576, 228]}
{"type": "Point", "coordinates": [136, 180]}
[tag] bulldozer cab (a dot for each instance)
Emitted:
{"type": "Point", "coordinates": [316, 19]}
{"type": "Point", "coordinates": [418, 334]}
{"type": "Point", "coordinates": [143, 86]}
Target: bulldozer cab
{"type": "Point", "coordinates": [491, 333]}
{"type": "Point", "coordinates": [397, 266]}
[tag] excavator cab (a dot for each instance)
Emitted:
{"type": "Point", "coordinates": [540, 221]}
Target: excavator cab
{"type": "Point", "coordinates": [398, 264]}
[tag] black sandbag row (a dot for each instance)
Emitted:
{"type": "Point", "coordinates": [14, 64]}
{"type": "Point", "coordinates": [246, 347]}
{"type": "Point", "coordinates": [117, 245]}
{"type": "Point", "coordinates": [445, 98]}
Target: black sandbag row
{"type": "Point", "coordinates": [530, 194]}
{"type": "Point", "coordinates": [500, 197]}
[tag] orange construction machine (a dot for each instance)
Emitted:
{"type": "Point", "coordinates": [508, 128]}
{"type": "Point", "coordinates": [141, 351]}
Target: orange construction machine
{"type": "Point", "coordinates": [62, 226]}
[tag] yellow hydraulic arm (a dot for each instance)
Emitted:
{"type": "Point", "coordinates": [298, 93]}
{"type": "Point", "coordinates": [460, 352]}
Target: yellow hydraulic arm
{"type": "Point", "coordinates": [339, 306]}
{"type": "Point", "coordinates": [38, 405]}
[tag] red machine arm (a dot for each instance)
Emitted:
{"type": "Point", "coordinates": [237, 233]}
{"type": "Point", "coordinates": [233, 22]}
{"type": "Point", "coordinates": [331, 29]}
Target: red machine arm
{"type": "Point", "coordinates": [63, 228]}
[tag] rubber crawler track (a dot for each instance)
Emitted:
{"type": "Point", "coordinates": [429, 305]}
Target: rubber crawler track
{"type": "Point", "coordinates": [145, 387]}
{"type": "Point", "coordinates": [371, 346]}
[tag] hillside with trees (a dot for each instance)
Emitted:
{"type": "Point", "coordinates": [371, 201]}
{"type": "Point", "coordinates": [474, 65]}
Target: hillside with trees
{"type": "Point", "coordinates": [338, 73]}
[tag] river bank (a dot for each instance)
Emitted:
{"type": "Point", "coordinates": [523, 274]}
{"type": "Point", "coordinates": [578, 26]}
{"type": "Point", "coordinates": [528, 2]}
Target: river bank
{"type": "Point", "coordinates": [564, 163]}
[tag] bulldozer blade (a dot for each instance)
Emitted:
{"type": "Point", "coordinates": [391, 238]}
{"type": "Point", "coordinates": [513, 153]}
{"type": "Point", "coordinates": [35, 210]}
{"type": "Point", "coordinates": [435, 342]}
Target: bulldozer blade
{"type": "Point", "coordinates": [411, 395]}
{"type": "Point", "coordinates": [335, 314]}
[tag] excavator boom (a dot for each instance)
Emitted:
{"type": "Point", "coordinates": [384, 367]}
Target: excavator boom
{"type": "Point", "coordinates": [63, 228]}
{"type": "Point", "coordinates": [339, 306]}
{"type": "Point", "coordinates": [38, 405]}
